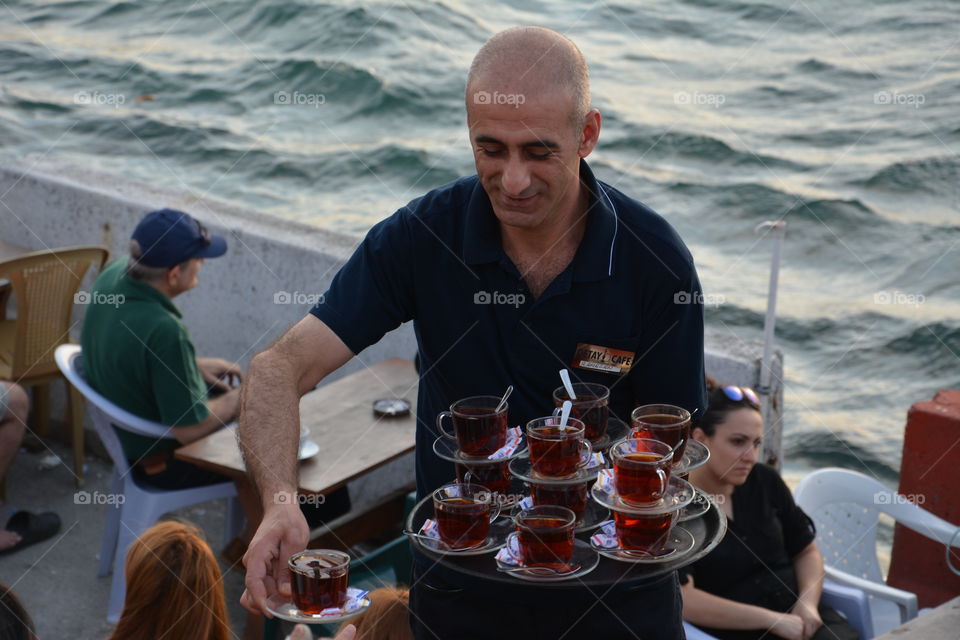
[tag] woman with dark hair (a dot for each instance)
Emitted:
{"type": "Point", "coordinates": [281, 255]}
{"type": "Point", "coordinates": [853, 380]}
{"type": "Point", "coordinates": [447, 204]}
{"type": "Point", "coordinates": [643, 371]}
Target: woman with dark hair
{"type": "Point", "coordinates": [766, 575]}
{"type": "Point", "coordinates": [15, 622]}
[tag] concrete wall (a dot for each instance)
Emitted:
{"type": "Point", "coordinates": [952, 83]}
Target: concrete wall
{"type": "Point", "coordinates": [233, 314]}
{"type": "Point", "coordinates": [732, 360]}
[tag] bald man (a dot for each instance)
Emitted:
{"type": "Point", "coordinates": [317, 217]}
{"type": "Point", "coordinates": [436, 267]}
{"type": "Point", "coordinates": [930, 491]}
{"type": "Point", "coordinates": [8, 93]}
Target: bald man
{"type": "Point", "coordinates": [528, 266]}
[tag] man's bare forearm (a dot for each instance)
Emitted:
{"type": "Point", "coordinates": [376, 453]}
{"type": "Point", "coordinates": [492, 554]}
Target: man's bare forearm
{"type": "Point", "coordinates": [270, 402]}
{"type": "Point", "coordinates": [270, 425]}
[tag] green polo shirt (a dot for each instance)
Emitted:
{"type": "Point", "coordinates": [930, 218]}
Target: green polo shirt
{"type": "Point", "coordinates": [138, 354]}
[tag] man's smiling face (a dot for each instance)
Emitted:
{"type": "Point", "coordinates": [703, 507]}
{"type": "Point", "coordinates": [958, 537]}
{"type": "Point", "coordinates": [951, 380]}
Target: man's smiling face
{"type": "Point", "coordinates": [527, 155]}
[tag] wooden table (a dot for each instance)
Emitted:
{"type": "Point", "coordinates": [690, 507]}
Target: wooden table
{"type": "Point", "coordinates": [938, 624]}
{"type": "Point", "coordinates": [353, 441]}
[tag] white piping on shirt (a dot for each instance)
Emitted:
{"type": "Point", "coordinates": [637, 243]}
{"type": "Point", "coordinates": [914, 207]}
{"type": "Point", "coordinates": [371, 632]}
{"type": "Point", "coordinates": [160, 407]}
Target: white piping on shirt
{"type": "Point", "coordinates": [615, 227]}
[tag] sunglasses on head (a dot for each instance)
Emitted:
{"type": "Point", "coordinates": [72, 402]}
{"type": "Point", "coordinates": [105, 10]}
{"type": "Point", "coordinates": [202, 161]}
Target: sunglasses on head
{"type": "Point", "coordinates": [739, 394]}
{"type": "Point", "coordinates": [204, 233]}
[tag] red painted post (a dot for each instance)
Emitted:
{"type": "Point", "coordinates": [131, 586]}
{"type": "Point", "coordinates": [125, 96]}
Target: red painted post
{"type": "Point", "coordinates": [930, 477]}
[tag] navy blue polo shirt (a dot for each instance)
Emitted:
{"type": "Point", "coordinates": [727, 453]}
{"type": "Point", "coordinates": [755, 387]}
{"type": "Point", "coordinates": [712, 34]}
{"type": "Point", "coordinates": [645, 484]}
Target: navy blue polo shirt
{"type": "Point", "coordinates": [631, 288]}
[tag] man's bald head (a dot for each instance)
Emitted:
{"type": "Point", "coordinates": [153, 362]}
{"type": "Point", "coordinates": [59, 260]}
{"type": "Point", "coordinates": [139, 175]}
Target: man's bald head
{"type": "Point", "coordinates": [523, 61]}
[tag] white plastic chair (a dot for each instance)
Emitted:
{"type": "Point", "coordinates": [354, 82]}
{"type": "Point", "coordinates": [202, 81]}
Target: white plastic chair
{"type": "Point", "coordinates": [141, 506]}
{"type": "Point", "coordinates": [845, 506]}
{"type": "Point", "coordinates": [851, 602]}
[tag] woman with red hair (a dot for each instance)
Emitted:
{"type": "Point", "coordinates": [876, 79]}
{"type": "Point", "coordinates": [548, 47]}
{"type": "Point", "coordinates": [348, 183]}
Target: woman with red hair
{"type": "Point", "coordinates": [174, 587]}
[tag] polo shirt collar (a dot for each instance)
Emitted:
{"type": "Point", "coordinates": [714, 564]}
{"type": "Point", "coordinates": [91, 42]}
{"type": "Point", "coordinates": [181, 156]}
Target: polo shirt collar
{"type": "Point", "coordinates": [594, 258]}
{"type": "Point", "coordinates": [136, 290]}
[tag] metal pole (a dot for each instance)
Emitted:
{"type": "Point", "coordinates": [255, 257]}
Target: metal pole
{"type": "Point", "coordinates": [778, 229]}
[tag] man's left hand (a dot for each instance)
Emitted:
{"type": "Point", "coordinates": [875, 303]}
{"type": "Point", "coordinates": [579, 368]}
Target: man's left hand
{"type": "Point", "coordinates": [220, 373]}
{"type": "Point", "coordinates": [810, 616]}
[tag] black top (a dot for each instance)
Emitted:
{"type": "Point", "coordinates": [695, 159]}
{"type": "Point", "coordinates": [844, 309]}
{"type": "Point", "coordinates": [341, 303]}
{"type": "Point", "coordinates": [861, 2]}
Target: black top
{"type": "Point", "coordinates": [438, 261]}
{"type": "Point", "coordinates": [753, 562]}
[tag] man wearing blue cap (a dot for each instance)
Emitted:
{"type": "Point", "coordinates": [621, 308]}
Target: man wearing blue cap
{"type": "Point", "coordinates": [138, 354]}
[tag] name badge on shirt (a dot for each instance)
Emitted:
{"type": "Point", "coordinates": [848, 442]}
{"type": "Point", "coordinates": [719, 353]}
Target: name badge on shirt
{"type": "Point", "coordinates": [604, 359]}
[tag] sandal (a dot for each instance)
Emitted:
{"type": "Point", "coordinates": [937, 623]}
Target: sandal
{"type": "Point", "coordinates": [32, 528]}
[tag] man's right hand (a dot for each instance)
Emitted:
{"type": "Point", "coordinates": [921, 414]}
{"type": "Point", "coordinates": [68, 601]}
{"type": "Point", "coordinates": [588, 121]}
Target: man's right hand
{"type": "Point", "coordinates": [282, 533]}
{"type": "Point", "coordinates": [787, 626]}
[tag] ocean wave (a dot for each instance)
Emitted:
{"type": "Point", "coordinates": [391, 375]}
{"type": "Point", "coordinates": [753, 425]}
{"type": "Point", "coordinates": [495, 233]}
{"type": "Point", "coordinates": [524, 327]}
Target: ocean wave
{"type": "Point", "coordinates": [832, 138]}
{"type": "Point", "coordinates": [438, 16]}
{"type": "Point", "coordinates": [732, 315]}
{"type": "Point", "coordinates": [938, 176]}
{"type": "Point", "coordinates": [890, 347]}
{"type": "Point", "coordinates": [392, 167]}
{"type": "Point", "coordinates": [12, 134]}
{"type": "Point", "coordinates": [933, 340]}
{"type": "Point", "coordinates": [32, 14]}
{"type": "Point", "coordinates": [329, 75]}
{"type": "Point", "coordinates": [29, 61]}
{"type": "Point", "coordinates": [348, 91]}
{"type": "Point", "coordinates": [337, 81]}
{"type": "Point", "coordinates": [871, 331]}
{"type": "Point", "coordinates": [696, 147]}
{"type": "Point", "coordinates": [768, 94]}
{"type": "Point", "coordinates": [416, 168]}
{"type": "Point", "coordinates": [865, 341]}
{"type": "Point", "coordinates": [264, 16]}
{"type": "Point", "coordinates": [833, 446]}
{"type": "Point", "coordinates": [13, 57]}
{"type": "Point", "coordinates": [18, 99]}
{"type": "Point", "coordinates": [830, 211]}
{"type": "Point", "coordinates": [202, 94]}
{"type": "Point", "coordinates": [642, 21]}
{"type": "Point", "coordinates": [330, 26]}
{"type": "Point", "coordinates": [759, 12]}
{"type": "Point", "coordinates": [753, 200]}
{"type": "Point", "coordinates": [161, 137]}
{"type": "Point", "coordinates": [116, 10]}
{"type": "Point", "coordinates": [904, 21]}
{"type": "Point", "coordinates": [821, 67]}
{"type": "Point", "coordinates": [815, 224]}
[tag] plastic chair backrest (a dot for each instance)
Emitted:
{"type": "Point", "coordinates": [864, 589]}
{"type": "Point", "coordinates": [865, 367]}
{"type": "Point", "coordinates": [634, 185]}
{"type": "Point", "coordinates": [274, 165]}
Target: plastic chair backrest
{"type": "Point", "coordinates": [45, 283]}
{"type": "Point", "coordinates": [104, 414]}
{"type": "Point", "coordinates": [845, 507]}
{"type": "Point", "coordinates": [846, 520]}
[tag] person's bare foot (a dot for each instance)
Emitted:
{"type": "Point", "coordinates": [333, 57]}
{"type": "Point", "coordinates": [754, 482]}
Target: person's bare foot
{"type": "Point", "coordinates": [8, 539]}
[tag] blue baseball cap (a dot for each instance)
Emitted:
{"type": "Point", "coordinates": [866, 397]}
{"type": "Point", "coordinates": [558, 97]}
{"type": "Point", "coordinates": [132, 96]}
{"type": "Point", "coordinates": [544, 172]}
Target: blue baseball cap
{"type": "Point", "coordinates": [168, 237]}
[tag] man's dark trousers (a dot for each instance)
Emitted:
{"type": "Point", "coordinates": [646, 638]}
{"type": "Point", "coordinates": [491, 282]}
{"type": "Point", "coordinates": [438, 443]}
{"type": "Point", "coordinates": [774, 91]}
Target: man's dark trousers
{"type": "Point", "coordinates": [440, 610]}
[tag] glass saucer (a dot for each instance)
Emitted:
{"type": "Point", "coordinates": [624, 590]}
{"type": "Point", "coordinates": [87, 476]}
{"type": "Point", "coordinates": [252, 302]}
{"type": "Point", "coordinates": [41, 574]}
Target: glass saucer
{"type": "Point", "coordinates": [593, 514]}
{"type": "Point", "coordinates": [584, 557]}
{"type": "Point", "coordinates": [679, 494]}
{"type": "Point", "coordinates": [695, 455]}
{"type": "Point", "coordinates": [522, 468]}
{"type": "Point", "coordinates": [616, 430]}
{"type": "Point", "coordinates": [435, 545]}
{"type": "Point", "coordinates": [283, 608]}
{"type": "Point", "coordinates": [447, 449]}
{"type": "Point", "coordinates": [679, 544]}
{"type": "Point", "coordinates": [698, 506]}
